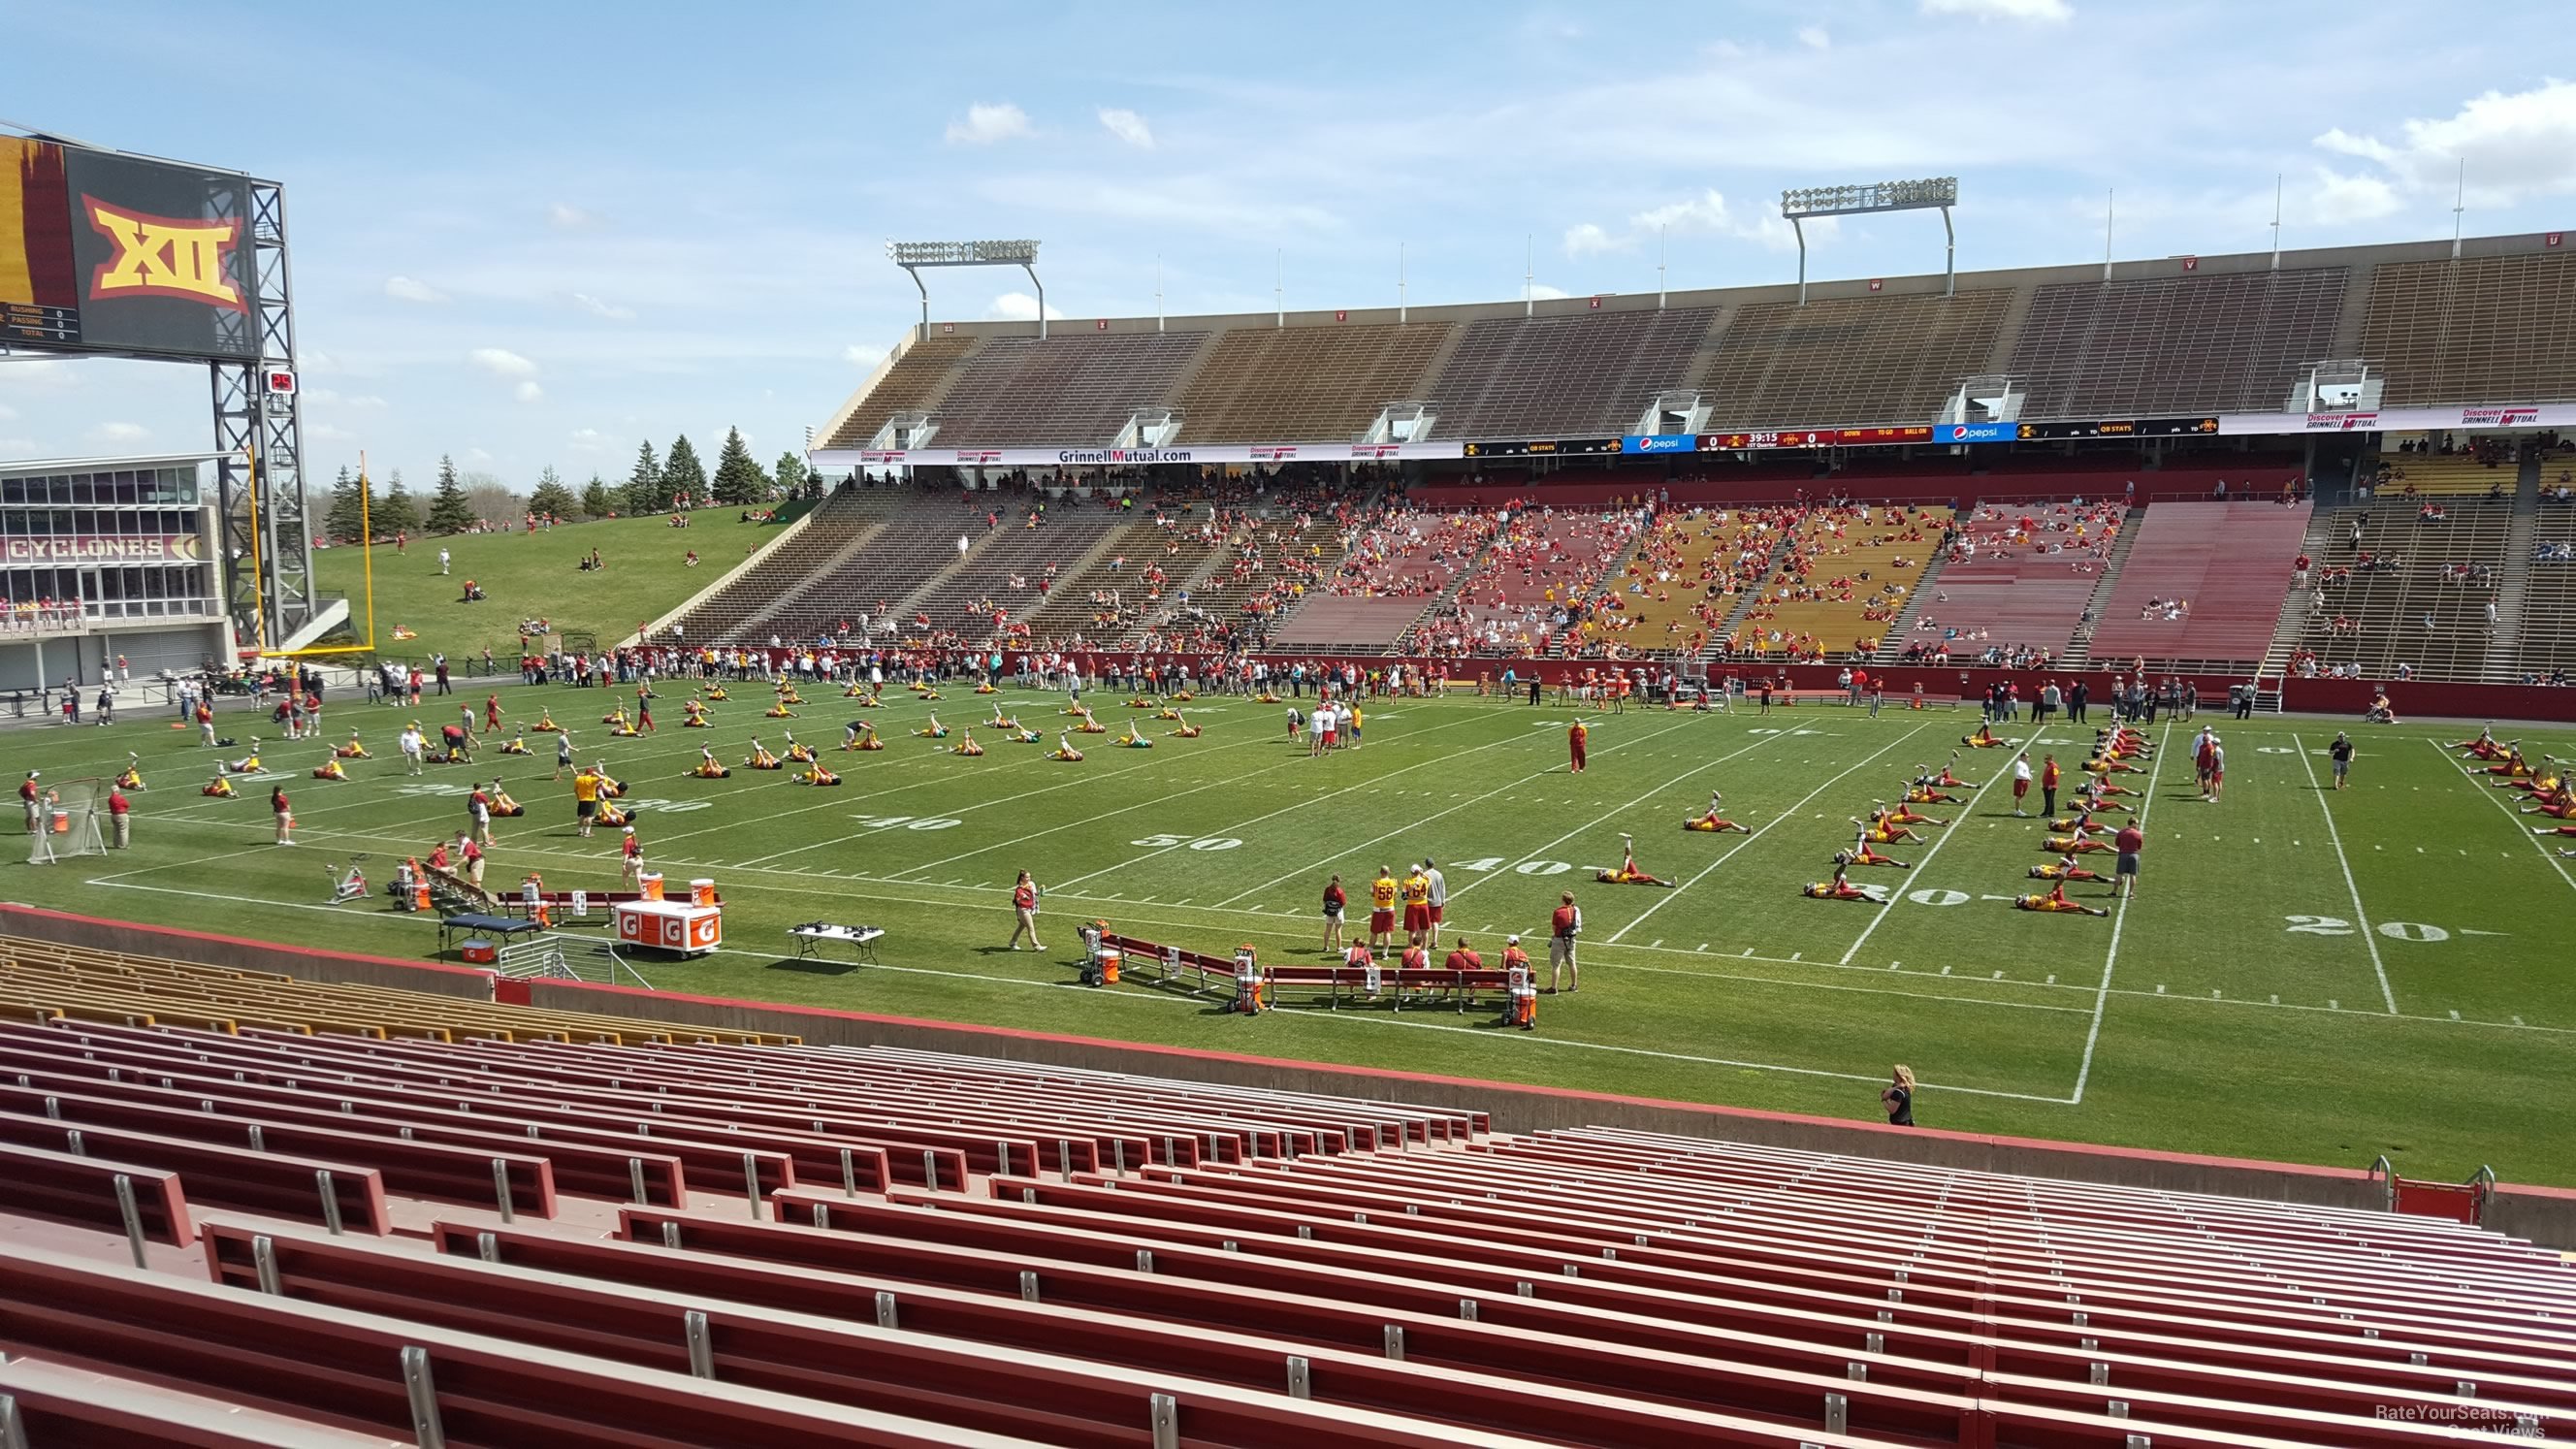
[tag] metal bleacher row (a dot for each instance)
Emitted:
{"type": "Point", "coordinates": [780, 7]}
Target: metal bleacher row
{"type": "Point", "coordinates": [2231, 562]}
{"type": "Point", "coordinates": [2384, 569]}
{"type": "Point", "coordinates": [2019, 579]}
{"type": "Point", "coordinates": [570, 1244]}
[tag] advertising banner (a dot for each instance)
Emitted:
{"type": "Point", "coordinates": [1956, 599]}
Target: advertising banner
{"type": "Point", "coordinates": [2401, 420]}
{"type": "Point", "coordinates": [1659, 443]}
{"type": "Point", "coordinates": [1975, 432]}
{"type": "Point", "coordinates": [936, 457]}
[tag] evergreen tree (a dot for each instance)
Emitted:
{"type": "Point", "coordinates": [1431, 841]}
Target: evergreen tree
{"type": "Point", "coordinates": [739, 480]}
{"type": "Point", "coordinates": [597, 500]}
{"type": "Point", "coordinates": [397, 511]}
{"type": "Point", "coordinates": [683, 475]}
{"type": "Point", "coordinates": [791, 474]}
{"type": "Point", "coordinates": [449, 510]}
{"type": "Point", "coordinates": [644, 491]}
{"type": "Point", "coordinates": [550, 496]}
{"type": "Point", "coordinates": [345, 523]}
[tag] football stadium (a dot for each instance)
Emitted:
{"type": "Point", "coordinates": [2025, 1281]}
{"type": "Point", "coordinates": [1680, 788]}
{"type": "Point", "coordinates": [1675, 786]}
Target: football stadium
{"type": "Point", "coordinates": [1973, 858]}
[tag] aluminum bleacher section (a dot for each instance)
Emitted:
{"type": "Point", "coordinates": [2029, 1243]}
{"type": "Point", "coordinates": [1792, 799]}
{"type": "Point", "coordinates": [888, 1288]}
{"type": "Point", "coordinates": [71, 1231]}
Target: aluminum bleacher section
{"type": "Point", "coordinates": [891, 1246]}
{"type": "Point", "coordinates": [2017, 579]}
{"type": "Point", "coordinates": [2371, 592]}
{"type": "Point", "coordinates": [1849, 359]}
{"type": "Point", "coordinates": [1546, 558]}
{"type": "Point", "coordinates": [2450, 475]}
{"type": "Point", "coordinates": [1074, 387]}
{"type": "Point", "coordinates": [1842, 583]}
{"type": "Point", "coordinates": [1329, 624]}
{"type": "Point", "coordinates": [1272, 384]}
{"type": "Point", "coordinates": [2231, 562]}
{"type": "Point", "coordinates": [913, 382]}
{"type": "Point", "coordinates": [842, 522]}
{"type": "Point", "coordinates": [1531, 377]}
{"type": "Point", "coordinates": [912, 545]}
{"type": "Point", "coordinates": [1689, 572]}
{"type": "Point", "coordinates": [2480, 329]}
{"type": "Point", "coordinates": [1008, 549]}
{"type": "Point", "coordinates": [2175, 345]}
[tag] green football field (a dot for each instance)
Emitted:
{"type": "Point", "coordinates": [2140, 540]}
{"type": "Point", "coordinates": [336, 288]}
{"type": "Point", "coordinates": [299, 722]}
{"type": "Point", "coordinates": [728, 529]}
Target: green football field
{"type": "Point", "coordinates": [2305, 975]}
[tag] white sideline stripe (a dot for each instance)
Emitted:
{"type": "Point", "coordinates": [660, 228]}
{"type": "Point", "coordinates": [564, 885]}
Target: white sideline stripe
{"type": "Point", "coordinates": [2119, 918]}
{"type": "Point", "coordinates": [2519, 828]}
{"type": "Point", "coordinates": [1354, 852]}
{"type": "Point", "coordinates": [1670, 895]}
{"type": "Point", "coordinates": [1960, 824]}
{"type": "Point", "coordinates": [1231, 827]}
{"type": "Point", "coordinates": [1631, 804]}
{"type": "Point", "coordinates": [2360, 916]}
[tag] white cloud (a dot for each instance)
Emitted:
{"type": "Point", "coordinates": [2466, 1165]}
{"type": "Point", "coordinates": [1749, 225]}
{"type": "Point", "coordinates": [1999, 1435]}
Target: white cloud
{"type": "Point", "coordinates": [569, 218]}
{"type": "Point", "coordinates": [1814, 37]}
{"type": "Point", "coordinates": [529, 392]}
{"type": "Point", "coordinates": [589, 440]}
{"type": "Point", "coordinates": [1542, 292]}
{"type": "Point", "coordinates": [2339, 198]}
{"type": "Point", "coordinates": [985, 124]}
{"type": "Point", "coordinates": [477, 455]}
{"type": "Point", "coordinates": [327, 432]}
{"type": "Point", "coordinates": [2045, 12]}
{"type": "Point", "coordinates": [120, 434]}
{"type": "Point", "coordinates": [1019, 307]}
{"type": "Point", "coordinates": [365, 400]}
{"type": "Point", "coordinates": [2516, 146]}
{"type": "Point", "coordinates": [598, 308]}
{"type": "Point", "coordinates": [1587, 238]}
{"type": "Point", "coordinates": [1708, 214]}
{"type": "Point", "coordinates": [859, 354]}
{"type": "Point", "coordinates": [501, 362]}
{"type": "Point", "coordinates": [404, 289]}
{"type": "Point", "coordinates": [1129, 127]}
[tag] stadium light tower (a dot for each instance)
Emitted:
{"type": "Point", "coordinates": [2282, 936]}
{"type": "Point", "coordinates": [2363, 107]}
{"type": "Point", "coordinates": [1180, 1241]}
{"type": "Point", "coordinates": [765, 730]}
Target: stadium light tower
{"type": "Point", "coordinates": [913, 256]}
{"type": "Point", "coordinates": [1938, 193]}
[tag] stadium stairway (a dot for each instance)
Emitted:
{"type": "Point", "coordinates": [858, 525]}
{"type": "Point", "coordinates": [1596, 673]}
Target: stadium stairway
{"type": "Point", "coordinates": [1750, 594]}
{"type": "Point", "coordinates": [2513, 587]}
{"type": "Point", "coordinates": [2079, 652]}
{"type": "Point", "coordinates": [1891, 646]}
{"type": "Point", "coordinates": [2294, 605]}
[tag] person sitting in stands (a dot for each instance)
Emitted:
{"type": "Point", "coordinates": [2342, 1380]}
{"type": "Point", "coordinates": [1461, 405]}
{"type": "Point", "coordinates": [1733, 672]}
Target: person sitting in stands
{"type": "Point", "coordinates": [1064, 750]}
{"type": "Point", "coordinates": [1627, 873]}
{"type": "Point", "coordinates": [760, 758]}
{"type": "Point", "coordinates": [2056, 901]}
{"type": "Point", "coordinates": [815, 774]}
{"type": "Point", "coordinates": [355, 750]}
{"type": "Point", "coordinates": [2065, 868]}
{"type": "Point", "coordinates": [966, 744]}
{"type": "Point", "coordinates": [858, 734]}
{"type": "Point", "coordinates": [796, 753]}
{"type": "Point", "coordinates": [330, 770]}
{"type": "Point", "coordinates": [709, 767]}
{"type": "Point", "coordinates": [1134, 741]}
{"type": "Point", "coordinates": [517, 744]}
{"type": "Point", "coordinates": [933, 730]}
{"type": "Point", "coordinates": [1187, 730]}
{"type": "Point", "coordinates": [503, 807]}
{"type": "Point", "coordinates": [1840, 888]}
{"type": "Point", "coordinates": [1712, 821]}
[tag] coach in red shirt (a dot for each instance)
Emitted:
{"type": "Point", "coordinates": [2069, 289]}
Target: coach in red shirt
{"type": "Point", "coordinates": [2128, 843]}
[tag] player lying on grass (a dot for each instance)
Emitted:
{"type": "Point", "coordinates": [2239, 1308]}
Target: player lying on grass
{"type": "Point", "coordinates": [1840, 888]}
{"type": "Point", "coordinates": [545, 724]}
{"type": "Point", "coordinates": [693, 716]}
{"type": "Point", "coordinates": [2081, 824]}
{"type": "Point", "coordinates": [2558, 800]}
{"type": "Point", "coordinates": [760, 758]}
{"type": "Point", "coordinates": [615, 719]}
{"type": "Point", "coordinates": [502, 806]}
{"type": "Point", "coordinates": [858, 734]}
{"type": "Point", "coordinates": [1627, 873]}
{"type": "Point", "coordinates": [1862, 854]}
{"type": "Point", "coordinates": [2064, 869]}
{"type": "Point", "coordinates": [220, 788]}
{"type": "Point", "coordinates": [2056, 901]}
{"type": "Point", "coordinates": [1950, 780]}
{"type": "Point", "coordinates": [517, 744]}
{"type": "Point", "coordinates": [787, 694]}
{"type": "Point", "coordinates": [1186, 731]}
{"type": "Point", "coordinates": [1065, 751]}
{"type": "Point", "coordinates": [2484, 747]}
{"type": "Point", "coordinates": [131, 777]}
{"type": "Point", "coordinates": [2513, 766]}
{"type": "Point", "coordinates": [1132, 740]}
{"type": "Point", "coordinates": [778, 710]}
{"type": "Point", "coordinates": [1167, 712]}
{"type": "Point", "coordinates": [1904, 814]}
{"type": "Point", "coordinates": [1001, 721]}
{"type": "Point", "coordinates": [1882, 828]}
{"type": "Point", "coordinates": [1984, 739]}
{"type": "Point", "coordinates": [932, 731]}
{"type": "Point", "coordinates": [1712, 821]}
{"type": "Point", "coordinates": [1090, 726]}
{"type": "Point", "coordinates": [860, 689]}
{"type": "Point", "coordinates": [715, 693]}
{"type": "Point", "coordinates": [796, 753]}
{"type": "Point", "coordinates": [966, 745]}
{"type": "Point", "coordinates": [2108, 765]}
{"type": "Point", "coordinates": [985, 686]}
{"type": "Point", "coordinates": [709, 767]}
{"type": "Point", "coordinates": [330, 770]}
{"type": "Point", "coordinates": [2122, 743]}
{"type": "Point", "coordinates": [247, 764]}
{"type": "Point", "coordinates": [815, 774]}
{"type": "Point", "coordinates": [2074, 845]}
{"type": "Point", "coordinates": [357, 750]}
{"type": "Point", "coordinates": [1925, 791]}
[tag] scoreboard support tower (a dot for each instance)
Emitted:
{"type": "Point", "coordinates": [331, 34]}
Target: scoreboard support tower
{"type": "Point", "coordinates": [263, 526]}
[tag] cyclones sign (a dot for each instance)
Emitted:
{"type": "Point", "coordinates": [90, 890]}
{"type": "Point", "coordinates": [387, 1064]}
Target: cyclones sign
{"type": "Point", "coordinates": [138, 548]}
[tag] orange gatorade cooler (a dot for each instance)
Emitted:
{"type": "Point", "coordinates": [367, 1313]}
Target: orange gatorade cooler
{"type": "Point", "coordinates": [702, 893]}
{"type": "Point", "coordinates": [651, 880]}
{"type": "Point", "coordinates": [62, 822]}
{"type": "Point", "coordinates": [1111, 958]}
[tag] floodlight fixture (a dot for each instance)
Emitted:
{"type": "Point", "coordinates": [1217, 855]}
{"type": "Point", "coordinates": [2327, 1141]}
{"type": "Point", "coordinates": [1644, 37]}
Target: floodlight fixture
{"type": "Point", "coordinates": [1934, 193]}
{"type": "Point", "coordinates": [1021, 253]}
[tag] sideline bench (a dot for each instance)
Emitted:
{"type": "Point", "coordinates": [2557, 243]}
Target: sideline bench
{"type": "Point", "coordinates": [1366, 985]}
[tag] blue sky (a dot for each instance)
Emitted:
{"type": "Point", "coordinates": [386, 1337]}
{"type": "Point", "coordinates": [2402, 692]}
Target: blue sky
{"type": "Point", "coordinates": [535, 234]}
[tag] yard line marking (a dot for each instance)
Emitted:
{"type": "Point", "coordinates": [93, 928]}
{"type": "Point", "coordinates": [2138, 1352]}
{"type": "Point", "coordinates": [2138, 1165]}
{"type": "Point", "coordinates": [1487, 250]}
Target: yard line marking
{"type": "Point", "coordinates": [1630, 804]}
{"type": "Point", "coordinates": [1756, 835]}
{"type": "Point", "coordinates": [2369, 937]}
{"type": "Point", "coordinates": [1894, 896]}
{"type": "Point", "coordinates": [2518, 827]}
{"type": "Point", "coordinates": [1420, 821]}
{"type": "Point", "coordinates": [1230, 828]}
{"type": "Point", "coordinates": [2120, 918]}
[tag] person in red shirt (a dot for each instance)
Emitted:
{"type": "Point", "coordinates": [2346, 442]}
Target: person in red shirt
{"type": "Point", "coordinates": [120, 814]}
{"type": "Point", "coordinates": [630, 852]}
{"type": "Point", "coordinates": [2128, 843]}
{"type": "Point", "coordinates": [285, 817]}
{"type": "Point", "coordinates": [1024, 907]}
{"type": "Point", "coordinates": [492, 714]}
{"type": "Point", "coordinates": [2048, 778]}
{"type": "Point", "coordinates": [1563, 928]}
{"type": "Point", "coordinates": [1461, 958]}
{"type": "Point", "coordinates": [29, 799]}
{"type": "Point", "coordinates": [1336, 902]}
{"type": "Point", "coordinates": [1575, 737]}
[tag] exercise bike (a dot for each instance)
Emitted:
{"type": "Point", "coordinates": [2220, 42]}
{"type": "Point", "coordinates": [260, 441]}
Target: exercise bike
{"type": "Point", "coordinates": [349, 885]}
